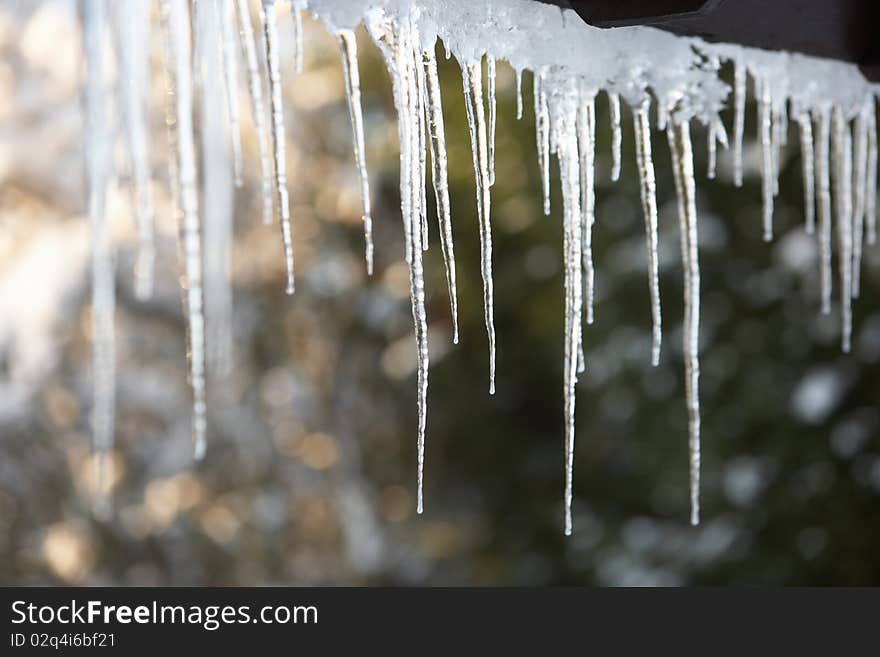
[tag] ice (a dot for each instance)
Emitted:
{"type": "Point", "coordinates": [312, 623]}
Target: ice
{"type": "Point", "coordinates": [739, 117]}
{"type": "Point", "coordinates": [270, 40]}
{"type": "Point", "coordinates": [471, 74]}
{"type": "Point", "coordinates": [768, 165]}
{"type": "Point", "coordinates": [860, 174]}
{"type": "Point", "coordinates": [841, 138]}
{"type": "Point", "coordinates": [132, 46]}
{"type": "Point", "coordinates": [805, 127]}
{"type": "Point", "coordinates": [103, 285]}
{"type": "Point", "coordinates": [439, 175]}
{"type": "Point", "coordinates": [519, 103]}
{"type": "Point", "coordinates": [493, 110]}
{"type": "Point", "coordinates": [648, 189]}
{"type": "Point", "coordinates": [177, 26]}
{"type": "Point", "coordinates": [296, 9]}
{"type": "Point", "coordinates": [616, 134]}
{"type": "Point", "coordinates": [542, 134]}
{"type": "Point", "coordinates": [871, 182]}
{"type": "Point", "coordinates": [348, 45]}
{"type": "Point", "coordinates": [230, 76]}
{"type": "Point", "coordinates": [586, 132]}
{"type": "Point", "coordinates": [255, 91]}
{"type": "Point", "coordinates": [683, 170]}
{"type": "Point", "coordinates": [823, 201]}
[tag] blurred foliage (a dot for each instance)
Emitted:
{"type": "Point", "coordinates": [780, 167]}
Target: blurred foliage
{"type": "Point", "coordinates": [310, 472]}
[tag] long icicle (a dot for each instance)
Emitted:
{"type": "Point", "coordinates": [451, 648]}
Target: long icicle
{"type": "Point", "coordinates": [616, 134]}
{"type": "Point", "coordinates": [860, 174]}
{"type": "Point", "coordinates": [348, 45]}
{"type": "Point", "coordinates": [493, 111]}
{"type": "Point", "coordinates": [768, 175]}
{"type": "Point", "coordinates": [473, 96]}
{"type": "Point", "coordinates": [739, 118]}
{"type": "Point", "coordinates": [440, 176]}
{"type": "Point", "coordinates": [399, 50]}
{"type": "Point", "coordinates": [230, 76]}
{"type": "Point", "coordinates": [648, 185]}
{"type": "Point", "coordinates": [132, 46]}
{"type": "Point", "coordinates": [586, 131]}
{"type": "Point", "coordinates": [871, 182]}
{"type": "Point", "coordinates": [542, 134]}
{"type": "Point", "coordinates": [255, 90]}
{"type": "Point", "coordinates": [842, 181]}
{"type": "Point", "coordinates": [683, 169]}
{"type": "Point", "coordinates": [566, 138]}
{"type": "Point", "coordinates": [177, 22]}
{"type": "Point", "coordinates": [805, 127]}
{"type": "Point", "coordinates": [823, 201]}
{"type": "Point", "coordinates": [270, 32]}
{"type": "Point", "coordinates": [94, 15]}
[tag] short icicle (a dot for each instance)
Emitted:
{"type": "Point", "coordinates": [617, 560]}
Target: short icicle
{"type": "Point", "coordinates": [296, 9]}
{"type": "Point", "coordinates": [493, 111]}
{"type": "Point", "coordinates": [648, 186]}
{"type": "Point", "coordinates": [255, 91]}
{"type": "Point", "coordinates": [586, 134]}
{"type": "Point", "coordinates": [133, 34]}
{"type": "Point", "coordinates": [683, 170]}
{"type": "Point", "coordinates": [230, 76]}
{"type": "Point", "coordinates": [739, 118]}
{"type": "Point", "coordinates": [616, 134]}
{"type": "Point", "coordinates": [519, 103]}
{"type": "Point", "coordinates": [270, 33]}
{"type": "Point", "coordinates": [822, 118]}
{"type": "Point", "coordinates": [871, 182]}
{"type": "Point", "coordinates": [440, 176]}
{"type": "Point", "coordinates": [177, 24]}
{"type": "Point", "coordinates": [94, 16]}
{"type": "Point", "coordinates": [768, 175]}
{"type": "Point", "coordinates": [842, 180]}
{"type": "Point", "coordinates": [348, 45]}
{"type": "Point", "coordinates": [542, 134]}
{"type": "Point", "coordinates": [473, 97]}
{"type": "Point", "coordinates": [860, 176]}
{"type": "Point", "coordinates": [713, 152]}
{"type": "Point", "coordinates": [805, 127]}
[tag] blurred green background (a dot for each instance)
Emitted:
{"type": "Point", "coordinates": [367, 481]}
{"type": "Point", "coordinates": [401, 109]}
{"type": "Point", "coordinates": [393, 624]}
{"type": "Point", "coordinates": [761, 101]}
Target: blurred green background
{"type": "Point", "coordinates": [310, 471]}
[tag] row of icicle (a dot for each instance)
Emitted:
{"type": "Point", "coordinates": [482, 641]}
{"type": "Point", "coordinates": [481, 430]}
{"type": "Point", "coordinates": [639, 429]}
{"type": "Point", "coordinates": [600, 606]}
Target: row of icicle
{"type": "Point", "coordinates": [200, 42]}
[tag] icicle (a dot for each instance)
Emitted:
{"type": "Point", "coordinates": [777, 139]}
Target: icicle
{"type": "Point", "coordinates": [270, 33]}
{"type": "Point", "coordinates": [586, 133]}
{"type": "Point", "coordinates": [645, 161]}
{"type": "Point", "coordinates": [439, 176]}
{"type": "Point", "coordinates": [399, 49]}
{"type": "Point", "coordinates": [616, 134]}
{"type": "Point", "coordinates": [566, 140]}
{"type": "Point", "coordinates": [542, 133]}
{"type": "Point", "coordinates": [519, 103]}
{"type": "Point", "coordinates": [176, 20]}
{"type": "Point", "coordinates": [683, 169]}
{"type": "Point", "coordinates": [823, 202]}
{"type": "Point", "coordinates": [230, 75]}
{"type": "Point", "coordinates": [446, 50]}
{"type": "Point", "coordinates": [348, 44]}
{"type": "Point", "coordinates": [473, 96]}
{"type": "Point", "coordinates": [767, 162]}
{"type": "Point", "coordinates": [713, 150]}
{"type": "Point", "coordinates": [842, 180]}
{"type": "Point", "coordinates": [255, 89]}
{"type": "Point", "coordinates": [217, 193]}
{"type": "Point", "coordinates": [421, 172]}
{"type": "Point", "coordinates": [739, 117]}
{"type": "Point", "coordinates": [94, 15]}
{"type": "Point", "coordinates": [296, 10]}
{"type": "Point", "coordinates": [493, 109]}
{"type": "Point", "coordinates": [132, 43]}
{"type": "Point", "coordinates": [860, 173]}
{"type": "Point", "coordinates": [871, 182]}
{"type": "Point", "coordinates": [806, 134]}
